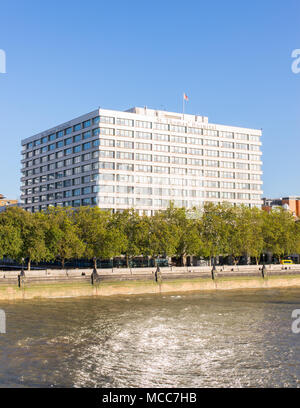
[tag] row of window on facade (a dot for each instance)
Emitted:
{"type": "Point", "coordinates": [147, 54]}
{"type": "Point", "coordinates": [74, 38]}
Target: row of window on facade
{"type": "Point", "coordinates": [140, 124]}
{"type": "Point", "coordinates": [143, 168]}
{"type": "Point", "coordinates": [138, 135]}
{"type": "Point", "coordinates": [139, 156]}
{"type": "Point", "coordinates": [128, 190]}
{"type": "Point", "coordinates": [110, 188]}
{"type": "Point", "coordinates": [118, 206]}
{"type": "Point", "coordinates": [142, 201]}
{"type": "Point", "coordinates": [110, 166]}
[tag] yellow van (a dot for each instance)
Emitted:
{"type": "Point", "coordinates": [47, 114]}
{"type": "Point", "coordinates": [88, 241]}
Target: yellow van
{"type": "Point", "coordinates": [286, 262]}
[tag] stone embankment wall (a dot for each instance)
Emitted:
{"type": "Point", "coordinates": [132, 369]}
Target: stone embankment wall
{"type": "Point", "coordinates": [124, 274]}
{"type": "Point", "coordinates": [121, 274]}
{"type": "Point", "coordinates": [77, 282]}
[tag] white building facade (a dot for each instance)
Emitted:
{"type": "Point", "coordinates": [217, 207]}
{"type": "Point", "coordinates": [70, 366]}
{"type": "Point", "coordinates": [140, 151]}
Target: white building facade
{"type": "Point", "coordinates": [141, 158]}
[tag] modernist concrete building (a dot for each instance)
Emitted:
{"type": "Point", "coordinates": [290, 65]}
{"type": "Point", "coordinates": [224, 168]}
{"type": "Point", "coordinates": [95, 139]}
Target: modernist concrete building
{"type": "Point", "coordinates": [141, 158]}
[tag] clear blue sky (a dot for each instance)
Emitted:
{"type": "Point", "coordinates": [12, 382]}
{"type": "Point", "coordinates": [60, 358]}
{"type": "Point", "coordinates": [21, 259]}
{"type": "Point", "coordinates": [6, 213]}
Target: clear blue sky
{"type": "Point", "coordinates": [232, 58]}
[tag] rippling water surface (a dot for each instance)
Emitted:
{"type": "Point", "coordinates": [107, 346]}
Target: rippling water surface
{"type": "Point", "coordinates": [223, 339]}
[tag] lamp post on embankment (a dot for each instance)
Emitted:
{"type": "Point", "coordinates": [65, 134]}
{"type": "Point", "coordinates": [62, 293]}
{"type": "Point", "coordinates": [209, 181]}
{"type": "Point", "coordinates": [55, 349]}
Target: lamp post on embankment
{"type": "Point", "coordinates": [94, 276]}
{"type": "Point", "coordinates": [263, 267]}
{"type": "Point", "coordinates": [213, 271]}
{"type": "Point", "coordinates": [21, 275]}
{"type": "Point", "coordinates": [22, 269]}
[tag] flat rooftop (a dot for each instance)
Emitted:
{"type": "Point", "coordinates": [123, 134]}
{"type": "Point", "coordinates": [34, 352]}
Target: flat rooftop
{"type": "Point", "coordinates": [144, 113]}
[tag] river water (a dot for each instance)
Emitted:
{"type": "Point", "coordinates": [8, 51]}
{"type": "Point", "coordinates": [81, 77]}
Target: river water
{"type": "Point", "coordinates": [212, 339]}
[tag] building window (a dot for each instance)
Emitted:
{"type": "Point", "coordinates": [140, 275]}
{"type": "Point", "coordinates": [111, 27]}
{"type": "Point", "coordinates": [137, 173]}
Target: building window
{"type": "Point", "coordinates": [125, 155]}
{"type": "Point", "coordinates": [87, 134]}
{"type": "Point", "coordinates": [108, 177]}
{"type": "Point", "coordinates": [159, 158]}
{"type": "Point", "coordinates": [86, 146]}
{"type": "Point", "coordinates": [143, 135]}
{"type": "Point", "coordinates": [68, 151]}
{"type": "Point", "coordinates": [103, 189]}
{"type": "Point", "coordinates": [143, 157]}
{"type": "Point", "coordinates": [107, 153]}
{"type": "Point", "coordinates": [228, 135]}
{"type": "Point", "coordinates": [86, 201]}
{"type": "Point", "coordinates": [106, 165]}
{"type": "Point", "coordinates": [77, 149]}
{"type": "Point", "coordinates": [124, 122]}
{"type": "Point", "coordinates": [178, 129]}
{"type": "Point", "coordinates": [177, 139]}
{"type": "Point", "coordinates": [241, 136]}
{"type": "Point", "coordinates": [143, 168]}
{"type": "Point", "coordinates": [105, 119]}
{"type": "Point", "coordinates": [161, 148]}
{"type": "Point", "coordinates": [210, 142]}
{"type": "Point", "coordinates": [160, 169]}
{"type": "Point", "coordinates": [111, 143]}
{"type": "Point", "coordinates": [77, 127]}
{"type": "Point", "coordinates": [179, 160]}
{"type": "Point", "coordinates": [86, 190]}
{"type": "Point", "coordinates": [125, 166]}
{"type": "Point", "coordinates": [86, 123]}
{"type": "Point", "coordinates": [241, 146]}
{"type": "Point", "coordinates": [87, 167]}
{"type": "Point", "coordinates": [160, 137]}
{"type": "Point", "coordinates": [76, 138]}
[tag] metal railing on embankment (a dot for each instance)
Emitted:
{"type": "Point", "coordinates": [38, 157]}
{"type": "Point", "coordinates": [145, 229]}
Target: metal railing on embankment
{"type": "Point", "coordinates": [130, 274]}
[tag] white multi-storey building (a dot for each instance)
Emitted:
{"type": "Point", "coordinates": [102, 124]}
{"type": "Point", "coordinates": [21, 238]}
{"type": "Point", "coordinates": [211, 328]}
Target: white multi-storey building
{"type": "Point", "coordinates": [141, 158]}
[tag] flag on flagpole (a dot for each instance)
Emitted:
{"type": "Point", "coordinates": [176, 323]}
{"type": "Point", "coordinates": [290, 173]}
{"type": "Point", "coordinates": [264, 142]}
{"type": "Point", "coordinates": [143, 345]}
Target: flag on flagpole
{"type": "Point", "coordinates": [185, 97]}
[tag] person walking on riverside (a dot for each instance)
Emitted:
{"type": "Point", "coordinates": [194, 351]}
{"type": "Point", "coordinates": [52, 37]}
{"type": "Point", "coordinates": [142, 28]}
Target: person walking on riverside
{"type": "Point", "coordinates": [156, 273]}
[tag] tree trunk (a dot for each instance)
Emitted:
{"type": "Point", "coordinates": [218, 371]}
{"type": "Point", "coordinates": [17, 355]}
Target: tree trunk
{"type": "Point", "coordinates": [127, 261]}
{"type": "Point", "coordinates": [95, 263]}
{"type": "Point", "coordinates": [183, 260]}
{"type": "Point", "coordinates": [62, 263]}
{"type": "Point", "coordinates": [236, 260]}
{"type": "Point", "coordinates": [29, 264]}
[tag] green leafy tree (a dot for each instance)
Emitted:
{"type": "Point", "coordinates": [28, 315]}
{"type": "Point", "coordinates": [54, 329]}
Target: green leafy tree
{"type": "Point", "coordinates": [31, 228]}
{"type": "Point", "coordinates": [10, 241]}
{"type": "Point", "coordinates": [136, 232]}
{"type": "Point", "coordinates": [163, 236]}
{"type": "Point", "coordinates": [296, 248]}
{"type": "Point", "coordinates": [217, 224]}
{"type": "Point", "coordinates": [246, 233]}
{"type": "Point", "coordinates": [99, 232]}
{"type": "Point", "coordinates": [62, 235]}
{"type": "Point", "coordinates": [186, 230]}
{"type": "Point", "coordinates": [279, 232]}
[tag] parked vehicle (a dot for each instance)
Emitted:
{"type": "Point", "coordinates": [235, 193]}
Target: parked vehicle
{"type": "Point", "coordinates": [286, 262]}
